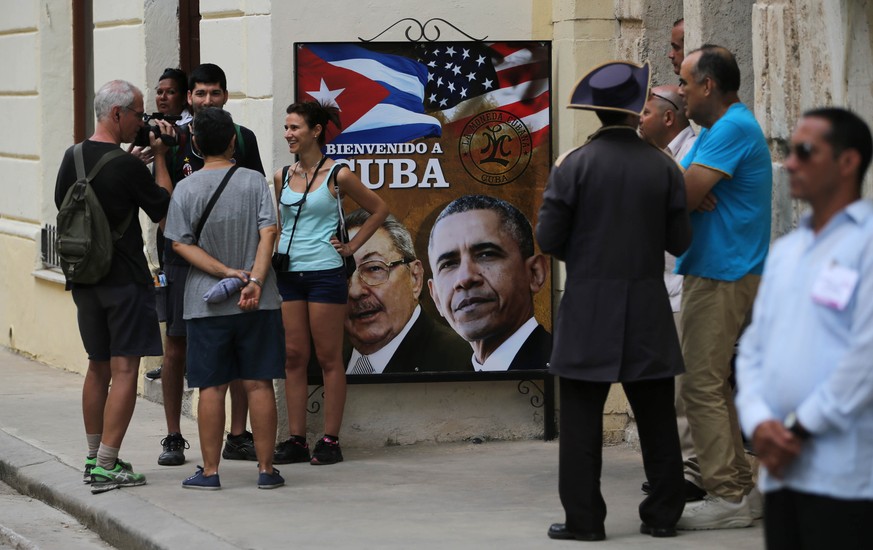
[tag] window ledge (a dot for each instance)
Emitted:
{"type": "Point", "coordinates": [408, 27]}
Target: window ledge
{"type": "Point", "coordinates": [52, 275]}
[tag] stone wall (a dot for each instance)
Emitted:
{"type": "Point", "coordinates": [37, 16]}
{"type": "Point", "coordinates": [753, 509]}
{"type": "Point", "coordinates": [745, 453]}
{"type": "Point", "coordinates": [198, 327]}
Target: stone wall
{"type": "Point", "coordinates": [808, 54]}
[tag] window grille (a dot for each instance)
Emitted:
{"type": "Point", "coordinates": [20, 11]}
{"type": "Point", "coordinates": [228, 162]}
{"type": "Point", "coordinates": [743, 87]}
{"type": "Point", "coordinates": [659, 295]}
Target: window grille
{"type": "Point", "coordinates": [48, 238]}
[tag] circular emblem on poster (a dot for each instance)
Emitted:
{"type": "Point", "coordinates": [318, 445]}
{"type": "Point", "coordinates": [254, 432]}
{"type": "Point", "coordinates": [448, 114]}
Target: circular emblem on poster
{"type": "Point", "coordinates": [495, 147]}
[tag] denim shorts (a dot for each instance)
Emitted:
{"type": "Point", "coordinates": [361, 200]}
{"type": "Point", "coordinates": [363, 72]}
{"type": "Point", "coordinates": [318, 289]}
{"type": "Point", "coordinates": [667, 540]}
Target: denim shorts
{"type": "Point", "coordinates": [329, 286]}
{"type": "Point", "coordinates": [248, 346]}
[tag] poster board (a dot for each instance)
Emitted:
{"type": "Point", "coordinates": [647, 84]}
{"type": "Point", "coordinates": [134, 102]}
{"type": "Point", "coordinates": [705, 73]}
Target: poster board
{"type": "Point", "coordinates": [426, 125]}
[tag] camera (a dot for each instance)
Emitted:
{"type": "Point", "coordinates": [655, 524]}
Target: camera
{"type": "Point", "coordinates": [161, 116]}
{"type": "Point", "coordinates": [142, 136]}
{"type": "Point", "coordinates": [280, 262]}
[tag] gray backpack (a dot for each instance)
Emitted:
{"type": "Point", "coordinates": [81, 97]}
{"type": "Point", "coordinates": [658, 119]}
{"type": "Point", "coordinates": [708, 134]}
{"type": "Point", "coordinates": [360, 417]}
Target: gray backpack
{"type": "Point", "coordinates": [85, 240]}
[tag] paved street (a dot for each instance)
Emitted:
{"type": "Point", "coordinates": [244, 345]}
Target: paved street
{"type": "Point", "coordinates": [26, 523]}
{"type": "Point", "coordinates": [492, 495]}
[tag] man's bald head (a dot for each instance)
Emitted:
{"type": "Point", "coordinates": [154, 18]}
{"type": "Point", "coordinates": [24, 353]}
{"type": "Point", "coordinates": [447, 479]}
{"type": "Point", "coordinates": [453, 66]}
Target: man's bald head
{"type": "Point", "coordinates": [663, 116]}
{"type": "Point", "coordinates": [669, 97]}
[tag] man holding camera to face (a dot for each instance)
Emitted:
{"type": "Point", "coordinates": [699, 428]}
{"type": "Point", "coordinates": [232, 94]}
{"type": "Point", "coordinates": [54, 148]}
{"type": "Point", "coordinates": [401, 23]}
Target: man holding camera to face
{"type": "Point", "coordinates": [116, 315]}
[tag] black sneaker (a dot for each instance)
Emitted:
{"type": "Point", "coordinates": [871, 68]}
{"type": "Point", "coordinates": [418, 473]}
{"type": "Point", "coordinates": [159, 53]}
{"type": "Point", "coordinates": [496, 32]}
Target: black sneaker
{"type": "Point", "coordinates": [154, 374]}
{"type": "Point", "coordinates": [326, 452]}
{"type": "Point", "coordinates": [240, 447]}
{"type": "Point", "coordinates": [291, 451]}
{"type": "Point", "coordinates": [174, 450]}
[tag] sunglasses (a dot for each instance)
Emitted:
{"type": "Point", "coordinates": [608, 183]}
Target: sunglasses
{"type": "Point", "coordinates": [138, 114]}
{"type": "Point", "coordinates": [659, 96]}
{"type": "Point", "coordinates": [803, 151]}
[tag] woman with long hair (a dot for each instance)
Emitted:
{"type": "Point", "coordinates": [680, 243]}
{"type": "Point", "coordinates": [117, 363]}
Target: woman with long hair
{"type": "Point", "coordinates": [313, 281]}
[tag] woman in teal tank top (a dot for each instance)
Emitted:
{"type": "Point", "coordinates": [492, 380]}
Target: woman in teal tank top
{"type": "Point", "coordinates": [313, 285]}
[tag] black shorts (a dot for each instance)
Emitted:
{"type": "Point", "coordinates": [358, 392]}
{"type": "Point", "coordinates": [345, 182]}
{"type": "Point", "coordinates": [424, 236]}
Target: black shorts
{"type": "Point", "coordinates": [118, 321]}
{"type": "Point", "coordinates": [176, 277]}
{"type": "Point", "coordinates": [250, 346]}
{"type": "Point", "coordinates": [328, 286]}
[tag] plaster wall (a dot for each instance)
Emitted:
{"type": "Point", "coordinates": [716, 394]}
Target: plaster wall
{"type": "Point", "coordinates": [727, 24]}
{"type": "Point", "coordinates": [35, 101]}
{"type": "Point", "coordinates": [26, 323]}
{"type": "Point", "coordinates": [19, 101]}
{"type": "Point", "coordinates": [808, 54]}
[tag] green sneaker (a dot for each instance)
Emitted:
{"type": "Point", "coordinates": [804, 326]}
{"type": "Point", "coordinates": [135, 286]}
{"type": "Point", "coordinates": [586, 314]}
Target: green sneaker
{"type": "Point", "coordinates": [122, 475]}
{"type": "Point", "coordinates": [90, 463]}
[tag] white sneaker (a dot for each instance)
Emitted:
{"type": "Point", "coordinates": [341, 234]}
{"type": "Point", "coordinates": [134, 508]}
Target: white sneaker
{"type": "Point", "coordinates": [756, 503]}
{"type": "Point", "coordinates": [715, 513]}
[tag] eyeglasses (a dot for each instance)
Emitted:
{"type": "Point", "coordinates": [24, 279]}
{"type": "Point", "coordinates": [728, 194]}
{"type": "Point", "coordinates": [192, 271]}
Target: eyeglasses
{"type": "Point", "coordinates": [803, 151]}
{"type": "Point", "coordinates": [139, 114]}
{"type": "Point", "coordinates": [376, 272]}
{"type": "Point", "coordinates": [659, 96]}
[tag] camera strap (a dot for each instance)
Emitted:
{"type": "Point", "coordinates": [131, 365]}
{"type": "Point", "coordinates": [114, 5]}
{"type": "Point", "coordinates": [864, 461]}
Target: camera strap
{"type": "Point", "coordinates": [212, 202]}
{"type": "Point", "coordinates": [302, 201]}
{"type": "Point", "coordinates": [343, 232]}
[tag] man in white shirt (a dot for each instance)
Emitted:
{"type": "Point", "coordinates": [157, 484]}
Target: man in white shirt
{"type": "Point", "coordinates": [804, 368]}
{"type": "Point", "coordinates": [485, 275]}
{"type": "Point", "coordinates": [664, 124]}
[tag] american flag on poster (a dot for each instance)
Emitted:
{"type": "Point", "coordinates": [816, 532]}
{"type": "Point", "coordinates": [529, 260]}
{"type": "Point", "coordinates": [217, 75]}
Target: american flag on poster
{"type": "Point", "coordinates": [409, 93]}
{"type": "Point", "coordinates": [465, 79]}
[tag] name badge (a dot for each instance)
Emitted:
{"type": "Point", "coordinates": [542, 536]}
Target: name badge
{"type": "Point", "coordinates": [834, 286]}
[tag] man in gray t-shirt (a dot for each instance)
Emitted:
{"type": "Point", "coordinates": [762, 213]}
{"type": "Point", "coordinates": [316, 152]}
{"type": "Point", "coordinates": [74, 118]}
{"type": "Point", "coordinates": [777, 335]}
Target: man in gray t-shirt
{"type": "Point", "coordinates": [241, 337]}
{"type": "Point", "coordinates": [231, 233]}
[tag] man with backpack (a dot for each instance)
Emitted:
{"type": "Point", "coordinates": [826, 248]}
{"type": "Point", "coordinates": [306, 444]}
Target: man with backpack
{"type": "Point", "coordinates": [116, 305]}
{"type": "Point", "coordinates": [207, 87]}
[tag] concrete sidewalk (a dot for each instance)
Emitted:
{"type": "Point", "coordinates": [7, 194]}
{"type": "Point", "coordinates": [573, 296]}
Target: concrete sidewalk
{"type": "Point", "coordinates": [493, 495]}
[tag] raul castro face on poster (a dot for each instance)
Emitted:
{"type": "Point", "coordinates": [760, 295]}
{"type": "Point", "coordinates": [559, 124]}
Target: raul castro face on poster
{"type": "Point", "coordinates": [483, 284]}
{"type": "Point", "coordinates": [379, 310]}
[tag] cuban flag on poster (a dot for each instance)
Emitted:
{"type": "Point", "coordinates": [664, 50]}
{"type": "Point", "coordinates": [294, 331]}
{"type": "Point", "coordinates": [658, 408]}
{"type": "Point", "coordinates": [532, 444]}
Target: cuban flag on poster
{"type": "Point", "coordinates": [380, 96]}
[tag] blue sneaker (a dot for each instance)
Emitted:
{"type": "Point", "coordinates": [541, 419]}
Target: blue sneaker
{"type": "Point", "coordinates": [202, 482]}
{"type": "Point", "coordinates": [270, 481]}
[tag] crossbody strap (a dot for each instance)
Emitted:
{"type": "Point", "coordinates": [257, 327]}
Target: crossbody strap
{"type": "Point", "coordinates": [303, 201]}
{"type": "Point", "coordinates": [212, 202]}
{"type": "Point", "coordinates": [339, 205]}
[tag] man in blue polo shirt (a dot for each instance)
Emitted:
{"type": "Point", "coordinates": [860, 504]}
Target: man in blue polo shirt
{"type": "Point", "coordinates": [728, 183]}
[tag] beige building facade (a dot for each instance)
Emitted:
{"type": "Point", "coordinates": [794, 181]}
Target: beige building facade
{"type": "Point", "coordinates": [794, 55]}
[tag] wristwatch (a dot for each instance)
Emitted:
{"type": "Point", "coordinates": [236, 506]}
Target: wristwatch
{"type": "Point", "coordinates": [256, 281]}
{"type": "Point", "coordinates": [794, 426]}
